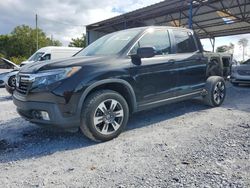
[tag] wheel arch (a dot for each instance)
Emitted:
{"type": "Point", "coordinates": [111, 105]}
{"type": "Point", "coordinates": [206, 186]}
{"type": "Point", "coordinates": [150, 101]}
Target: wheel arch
{"type": "Point", "coordinates": [118, 85]}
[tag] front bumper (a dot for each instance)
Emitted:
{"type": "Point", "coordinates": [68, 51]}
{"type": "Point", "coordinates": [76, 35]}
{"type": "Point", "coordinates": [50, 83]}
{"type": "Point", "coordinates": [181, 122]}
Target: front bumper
{"type": "Point", "coordinates": [9, 89]}
{"type": "Point", "coordinates": [57, 119]}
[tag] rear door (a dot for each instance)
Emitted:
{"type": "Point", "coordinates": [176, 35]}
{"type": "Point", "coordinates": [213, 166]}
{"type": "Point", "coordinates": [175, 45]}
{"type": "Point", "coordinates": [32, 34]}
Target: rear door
{"type": "Point", "coordinates": [190, 62]}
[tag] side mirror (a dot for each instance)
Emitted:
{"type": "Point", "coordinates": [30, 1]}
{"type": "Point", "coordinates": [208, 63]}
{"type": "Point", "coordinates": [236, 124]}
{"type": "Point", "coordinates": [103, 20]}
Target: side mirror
{"type": "Point", "coordinates": [145, 52]}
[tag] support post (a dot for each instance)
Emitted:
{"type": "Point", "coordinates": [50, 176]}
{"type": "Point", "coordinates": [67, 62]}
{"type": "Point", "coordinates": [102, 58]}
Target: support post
{"type": "Point", "coordinates": [190, 20]}
{"type": "Point", "coordinates": [88, 37]}
{"type": "Point", "coordinates": [36, 34]}
{"type": "Point", "coordinates": [212, 41]}
{"type": "Point", "coordinates": [214, 44]}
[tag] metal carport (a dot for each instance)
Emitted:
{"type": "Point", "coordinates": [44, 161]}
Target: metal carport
{"type": "Point", "coordinates": [209, 18]}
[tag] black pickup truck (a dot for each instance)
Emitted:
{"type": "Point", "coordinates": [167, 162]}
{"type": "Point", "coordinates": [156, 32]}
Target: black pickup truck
{"type": "Point", "coordinates": [117, 75]}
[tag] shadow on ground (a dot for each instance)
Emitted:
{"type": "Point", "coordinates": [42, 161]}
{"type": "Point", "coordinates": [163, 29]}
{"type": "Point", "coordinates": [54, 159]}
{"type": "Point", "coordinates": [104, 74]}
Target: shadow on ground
{"type": "Point", "coordinates": [238, 98]}
{"type": "Point", "coordinates": [35, 142]}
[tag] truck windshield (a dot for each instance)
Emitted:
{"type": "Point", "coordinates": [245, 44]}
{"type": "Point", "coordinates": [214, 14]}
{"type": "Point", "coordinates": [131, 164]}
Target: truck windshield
{"type": "Point", "coordinates": [36, 56]}
{"type": "Point", "coordinates": [110, 44]}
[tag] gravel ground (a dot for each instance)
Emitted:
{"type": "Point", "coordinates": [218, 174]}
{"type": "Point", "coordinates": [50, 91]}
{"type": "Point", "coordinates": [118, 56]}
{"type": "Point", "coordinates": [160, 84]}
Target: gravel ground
{"type": "Point", "coordinates": [180, 145]}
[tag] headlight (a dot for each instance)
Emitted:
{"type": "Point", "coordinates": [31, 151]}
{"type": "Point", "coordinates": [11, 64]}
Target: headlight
{"type": "Point", "coordinates": [45, 78]}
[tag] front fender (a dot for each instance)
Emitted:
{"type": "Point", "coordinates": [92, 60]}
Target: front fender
{"type": "Point", "coordinates": [107, 81]}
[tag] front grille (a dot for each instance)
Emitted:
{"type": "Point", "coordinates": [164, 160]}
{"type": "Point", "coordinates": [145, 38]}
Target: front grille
{"type": "Point", "coordinates": [23, 84]}
{"type": "Point", "coordinates": [244, 72]}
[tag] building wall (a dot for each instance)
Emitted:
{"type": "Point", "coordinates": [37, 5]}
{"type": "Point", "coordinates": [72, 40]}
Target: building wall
{"type": "Point", "coordinates": [93, 35]}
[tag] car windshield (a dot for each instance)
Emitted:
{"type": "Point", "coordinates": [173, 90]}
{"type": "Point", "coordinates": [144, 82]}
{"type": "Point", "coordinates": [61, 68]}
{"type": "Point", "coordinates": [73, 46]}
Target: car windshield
{"type": "Point", "coordinates": [110, 44]}
{"type": "Point", "coordinates": [36, 56]}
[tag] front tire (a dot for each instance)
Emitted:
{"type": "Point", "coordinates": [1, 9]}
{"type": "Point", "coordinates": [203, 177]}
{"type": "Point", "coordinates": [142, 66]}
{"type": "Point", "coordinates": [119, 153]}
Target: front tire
{"type": "Point", "coordinates": [104, 115]}
{"type": "Point", "coordinates": [216, 91]}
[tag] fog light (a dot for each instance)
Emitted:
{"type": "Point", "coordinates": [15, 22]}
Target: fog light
{"type": "Point", "coordinates": [40, 115]}
{"type": "Point", "coordinates": [45, 115]}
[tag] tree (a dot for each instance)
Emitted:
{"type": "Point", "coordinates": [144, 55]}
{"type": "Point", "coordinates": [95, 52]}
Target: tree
{"type": "Point", "coordinates": [222, 49]}
{"type": "Point", "coordinates": [4, 44]}
{"type": "Point", "coordinates": [243, 43]}
{"type": "Point", "coordinates": [78, 42]}
{"type": "Point", "coordinates": [226, 48]}
{"type": "Point", "coordinates": [21, 42]}
{"type": "Point", "coordinates": [231, 48]}
{"type": "Point", "coordinates": [55, 43]}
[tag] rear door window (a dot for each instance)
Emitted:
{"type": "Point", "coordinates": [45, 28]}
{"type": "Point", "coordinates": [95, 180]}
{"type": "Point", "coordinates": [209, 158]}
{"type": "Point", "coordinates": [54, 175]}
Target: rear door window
{"type": "Point", "coordinates": [185, 42]}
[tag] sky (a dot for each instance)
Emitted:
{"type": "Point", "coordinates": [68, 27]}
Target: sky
{"type": "Point", "coordinates": [66, 19]}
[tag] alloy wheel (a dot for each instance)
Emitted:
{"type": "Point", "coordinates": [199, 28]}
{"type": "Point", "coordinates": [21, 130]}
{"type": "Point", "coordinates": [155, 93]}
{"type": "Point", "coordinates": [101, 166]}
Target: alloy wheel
{"type": "Point", "coordinates": [219, 92]}
{"type": "Point", "coordinates": [108, 116]}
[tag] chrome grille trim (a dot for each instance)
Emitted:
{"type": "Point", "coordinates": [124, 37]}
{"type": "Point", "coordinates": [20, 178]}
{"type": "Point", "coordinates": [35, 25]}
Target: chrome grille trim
{"type": "Point", "coordinates": [24, 83]}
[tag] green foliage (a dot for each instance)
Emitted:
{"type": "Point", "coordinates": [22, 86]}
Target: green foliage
{"type": "Point", "coordinates": [4, 44]}
{"type": "Point", "coordinates": [226, 48]}
{"type": "Point", "coordinates": [222, 49]}
{"type": "Point", "coordinates": [2, 55]}
{"type": "Point", "coordinates": [17, 60]}
{"type": "Point", "coordinates": [21, 43]}
{"type": "Point", "coordinates": [78, 42]}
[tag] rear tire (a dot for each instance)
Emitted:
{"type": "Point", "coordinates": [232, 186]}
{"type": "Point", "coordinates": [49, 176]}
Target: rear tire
{"type": "Point", "coordinates": [216, 91]}
{"type": "Point", "coordinates": [105, 114]}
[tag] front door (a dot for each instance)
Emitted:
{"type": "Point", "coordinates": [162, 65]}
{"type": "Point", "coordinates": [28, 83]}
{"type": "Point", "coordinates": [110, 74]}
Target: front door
{"type": "Point", "coordinates": [190, 61]}
{"type": "Point", "coordinates": [155, 77]}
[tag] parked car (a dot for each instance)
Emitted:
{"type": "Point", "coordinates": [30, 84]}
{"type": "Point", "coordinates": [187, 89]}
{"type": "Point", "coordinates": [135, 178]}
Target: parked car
{"type": "Point", "coordinates": [6, 66]}
{"type": "Point", "coordinates": [117, 75]}
{"type": "Point", "coordinates": [51, 53]}
{"type": "Point", "coordinates": [241, 73]}
{"type": "Point", "coordinates": [10, 81]}
{"type": "Point", "coordinates": [43, 54]}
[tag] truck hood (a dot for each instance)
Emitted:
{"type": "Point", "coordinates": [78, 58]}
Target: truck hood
{"type": "Point", "coordinates": [62, 63]}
